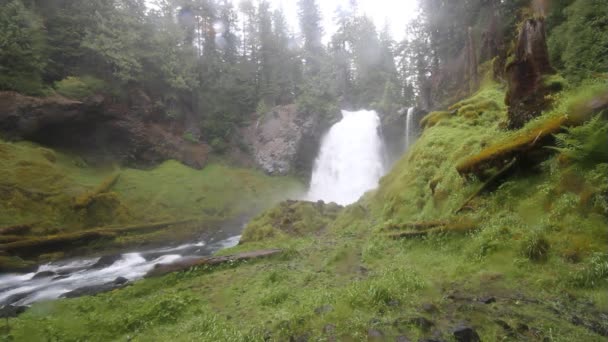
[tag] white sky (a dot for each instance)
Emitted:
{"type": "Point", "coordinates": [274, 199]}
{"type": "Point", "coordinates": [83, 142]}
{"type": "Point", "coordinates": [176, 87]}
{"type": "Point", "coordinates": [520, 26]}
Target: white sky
{"type": "Point", "coordinates": [398, 13]}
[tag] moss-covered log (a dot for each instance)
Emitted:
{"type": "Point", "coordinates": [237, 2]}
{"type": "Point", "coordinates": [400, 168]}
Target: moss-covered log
{"type": "Point", "coordinates": [18, 229]}
{"type": "Point", "coordinates": [460, 227]}
{"type": "Point", "coordinates": [498, 155]}
{"type": "Point", "coordinates": [162, 269]}
{"type": "Point", "coordinates": [29, 246]}
{"type": "Point", "coordinates": [87, 198]}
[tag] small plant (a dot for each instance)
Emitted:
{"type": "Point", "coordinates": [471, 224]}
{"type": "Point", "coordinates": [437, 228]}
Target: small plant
{"type": "Point", "coordinates": [79, 88]}
{"type": "Point", "coordinates": [535, 247]}
{"type": "Point", "coordinates": [594, 272]}
{"type": "Point", "coordinates": [586, 144]}
{"type": "Point", "coordinates": [189, 136]}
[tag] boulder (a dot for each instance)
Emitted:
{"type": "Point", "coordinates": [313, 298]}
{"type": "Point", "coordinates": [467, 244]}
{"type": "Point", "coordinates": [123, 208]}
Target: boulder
{"type": "Point", "coordinates": [96, 289]}
{"type": "Point", "coordinates": [285, 140]}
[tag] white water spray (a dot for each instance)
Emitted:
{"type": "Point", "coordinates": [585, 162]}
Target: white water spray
{"type": "Point", "coordinates": [350, 161]}
{"type": "Point", "coordinates": [409, 128]}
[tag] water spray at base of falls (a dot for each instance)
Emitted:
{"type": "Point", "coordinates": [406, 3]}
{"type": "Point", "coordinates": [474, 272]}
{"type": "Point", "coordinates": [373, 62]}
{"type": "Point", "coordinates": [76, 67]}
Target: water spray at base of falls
{"type": "Point", "coordinates": [350, 161]}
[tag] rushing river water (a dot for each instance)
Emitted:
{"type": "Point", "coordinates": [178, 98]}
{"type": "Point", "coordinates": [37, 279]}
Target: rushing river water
{"type": "Point", "coordinates": [351, 159]}
{"type": "Point", "coordinates": [52, 280]}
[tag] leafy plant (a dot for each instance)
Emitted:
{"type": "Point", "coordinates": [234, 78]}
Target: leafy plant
{"type": "Point", "coordinates": [79, 87]}
{"type": "Point", "coordinates": [586, 144]}
{"type": "Point", "coordinates": [535, 247]}
{"type": "Point", "coordinates": [594, 271]}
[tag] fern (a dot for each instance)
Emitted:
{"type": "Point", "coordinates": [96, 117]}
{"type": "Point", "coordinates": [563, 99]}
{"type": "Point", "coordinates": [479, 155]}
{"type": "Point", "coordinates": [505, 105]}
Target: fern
{"type": "Point", "coordinates": [586, 144]}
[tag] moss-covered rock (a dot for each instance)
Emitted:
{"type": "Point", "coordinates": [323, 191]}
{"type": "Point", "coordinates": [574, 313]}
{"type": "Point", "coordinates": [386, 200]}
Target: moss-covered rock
{"type": "Point", "coordinates": [291, 218]}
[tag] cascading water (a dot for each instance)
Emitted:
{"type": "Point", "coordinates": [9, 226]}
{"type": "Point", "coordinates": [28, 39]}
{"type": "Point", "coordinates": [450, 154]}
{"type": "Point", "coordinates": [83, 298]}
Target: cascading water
{"type": "Point", "coordinates": [409, 128]}
{"type": "Point", "coordinates": [350, 161]}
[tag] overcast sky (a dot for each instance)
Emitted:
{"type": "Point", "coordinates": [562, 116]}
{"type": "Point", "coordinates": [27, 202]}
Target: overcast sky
{"type": "Point", "coordinates": [397, 12]}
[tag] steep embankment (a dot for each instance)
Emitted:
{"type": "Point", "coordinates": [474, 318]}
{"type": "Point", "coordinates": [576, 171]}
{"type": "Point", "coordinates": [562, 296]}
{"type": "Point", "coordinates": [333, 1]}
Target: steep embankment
{"type": "Point", "coordinates": [53, 203]}
{"type": "Point", "coordinates": [516, 252]}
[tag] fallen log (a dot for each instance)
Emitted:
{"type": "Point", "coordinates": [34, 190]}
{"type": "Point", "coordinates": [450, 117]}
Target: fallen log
{"type": "Point", "coordinates": [84, 200]}
{"type": "Point", "coordinates": [487, 184]}
{"type": "Point", "coordinates": [39, 245]}
{"type": "Point", "coordinates": [162, 269]}
{"type": "Point", "coordinates": [18, 229]}
{"type": "Point", "coordinates": [460, 227]}
{"type": "Point", "coordinates": [418, 225]}
{"type": "Point", "coordinates": [501, 153]}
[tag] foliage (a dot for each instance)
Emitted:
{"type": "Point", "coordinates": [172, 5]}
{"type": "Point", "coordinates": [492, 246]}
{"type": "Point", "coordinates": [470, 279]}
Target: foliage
{"type": "Point", "coordinates": [580, 44]}
{"type": "Point", "coordinates": [79, 88]}
{"type": "Point", "coordinates": [586, 144]}
{"type": "Point", "coordinates": [593, 273]}
{"type": "Point", "coordinates": [22, 48]}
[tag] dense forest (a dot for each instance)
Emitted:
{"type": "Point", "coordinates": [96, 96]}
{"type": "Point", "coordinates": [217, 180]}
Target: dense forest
{"type": "Point", "coordinates": [167, 169]}
{"type": "Point", "coordinates": [214, 62]}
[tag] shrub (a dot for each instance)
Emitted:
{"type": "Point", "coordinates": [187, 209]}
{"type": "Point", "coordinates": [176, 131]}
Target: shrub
{"type": "Point", "coordinates": [594, 271]}
{"type": "Point", "coordinates": [535, 247]}
{"type": "Point", "coordinates": [79, 88]}
{"type": "Point", "coordinates": [586, 144]}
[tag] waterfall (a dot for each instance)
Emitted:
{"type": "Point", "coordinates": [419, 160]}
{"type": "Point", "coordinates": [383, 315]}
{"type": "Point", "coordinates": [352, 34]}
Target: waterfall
{"type": "Point", "coordinates": [350, 161]}
{"type": "Point", "coordinates": [409, 128]}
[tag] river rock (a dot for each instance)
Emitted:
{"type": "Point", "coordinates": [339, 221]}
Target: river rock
{"type": "Point", "coordinates": [44, 274]}
{"type": "Point", "coordinates": [9, 311]}
{"type": "Point", "coordinates": [106, 260]}
{"type": "Point", "coordinates": [285, 140]}
{"type": "Point", "coordinates": [95, 289]}
{"type": "Point", "coordinates": [464, 333]}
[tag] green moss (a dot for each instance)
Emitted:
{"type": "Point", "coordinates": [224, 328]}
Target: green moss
{"type": "Point", "coordinates": [294, 218]}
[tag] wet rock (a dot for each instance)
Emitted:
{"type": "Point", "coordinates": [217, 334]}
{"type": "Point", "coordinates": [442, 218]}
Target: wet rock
{"type": "Point", "coordinates": [329, 329]}
{"type": "Point", "coordinates": [105, 261]}
{"type": "Point", "coordinates": [375, 334]}
{"type": "Point", "coordinates": [324, 309]}
{"type": "Point", "coordinates": [302, 338]}
{"type": "Point", "coordinates": [43, 274]}
{"type": "Point", "coordinates": [522, 328]}
{"type": "Point", "coordinates": [15, 297]}
{"type": "Point", "coordinates": [393, 302]}
{"type": "Point", "coordinates": [464, 333]}
{"type": "Point", "coordinates": [61, 276]}
{"type": "Point", "coordinates": [422, 323]}
{"type": "Point", "coordinates": [429, 308]}
{"type": "Point", "coordinates": [402, 338]}
{"type": "Point", "coordinates": [9, 311]}
{"type": "Point", "coordinates": [94, 289]}
{"type": "Point", "coordinates": [487, 300]}
{"type": "Point", "coordinates": [503, 325]}
{"type": "Point", "coordinates": [120, 281]}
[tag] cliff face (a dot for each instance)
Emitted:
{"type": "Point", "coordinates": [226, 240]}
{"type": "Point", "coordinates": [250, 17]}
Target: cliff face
{"type": "Point", "coordinates": [285, 140]}
{"type": "Point", "coordinates": [99, 129]}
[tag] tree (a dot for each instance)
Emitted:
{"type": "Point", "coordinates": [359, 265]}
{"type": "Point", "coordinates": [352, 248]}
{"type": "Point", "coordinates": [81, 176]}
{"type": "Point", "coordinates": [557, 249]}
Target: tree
{"type": "Point", "coordinates": [22, 49]}
{"type": "Point", "coordinates": [312, 33]}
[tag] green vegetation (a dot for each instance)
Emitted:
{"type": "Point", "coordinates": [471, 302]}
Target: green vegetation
{"type": "Point", "coordinates": [537, 251]}
{"type": "Point", "coordinates": [56, 193]}
{"type": "Point", "coordinates": [79, 88]}
{"type": "Point", "coordinates": [579, 45]}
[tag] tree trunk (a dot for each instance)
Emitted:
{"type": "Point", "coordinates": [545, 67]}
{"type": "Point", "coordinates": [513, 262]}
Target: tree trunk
{"type": "Point", "coordinates": [526, 94]}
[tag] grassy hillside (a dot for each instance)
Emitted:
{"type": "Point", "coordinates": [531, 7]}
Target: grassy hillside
{"type": "Point", "coordinates": [524, 260]}
{"type": "Point", "coordinates": [54, 194]}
